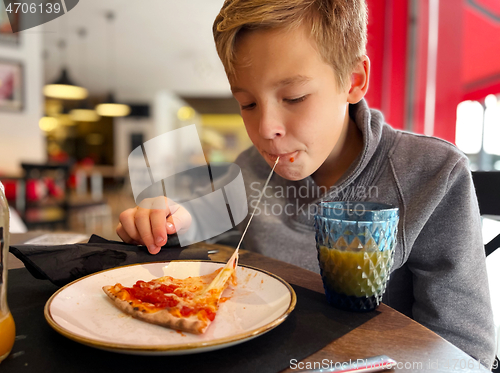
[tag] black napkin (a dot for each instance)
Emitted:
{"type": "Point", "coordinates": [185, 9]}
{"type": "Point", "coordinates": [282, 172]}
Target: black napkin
{"type": "Point", "coordinates": [62, 264]}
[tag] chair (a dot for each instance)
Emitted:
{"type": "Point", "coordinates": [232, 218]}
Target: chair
{"type": "Point", "coordinates": [48, 209]}
{"type": "Point", "coordinates": [487, 185]}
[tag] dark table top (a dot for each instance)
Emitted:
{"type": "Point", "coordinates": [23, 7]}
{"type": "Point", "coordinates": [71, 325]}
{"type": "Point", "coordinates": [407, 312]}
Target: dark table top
{"type": "Point", "coordinates": [357, 336]}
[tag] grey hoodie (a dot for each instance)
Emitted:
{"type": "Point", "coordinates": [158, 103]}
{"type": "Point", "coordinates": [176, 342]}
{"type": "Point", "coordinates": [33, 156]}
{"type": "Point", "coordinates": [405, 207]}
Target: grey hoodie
{"type": "Point", "coordinates": [439, 275]}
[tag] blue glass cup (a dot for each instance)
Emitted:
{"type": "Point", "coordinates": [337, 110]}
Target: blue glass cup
{"type": "Point", "coordinates": [355, 243]}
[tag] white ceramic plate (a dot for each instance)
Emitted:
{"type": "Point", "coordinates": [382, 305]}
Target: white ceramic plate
{"type": "Point", "coordinates": [82, 312]}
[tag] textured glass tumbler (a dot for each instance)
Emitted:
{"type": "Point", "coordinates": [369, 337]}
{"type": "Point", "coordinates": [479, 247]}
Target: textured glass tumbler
{"type": "Point", "coordinates": [355, 242]}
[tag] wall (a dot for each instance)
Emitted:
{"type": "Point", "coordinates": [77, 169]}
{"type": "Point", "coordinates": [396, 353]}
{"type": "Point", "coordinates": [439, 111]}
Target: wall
{"type": "Point", "coordinates": [21, 140]}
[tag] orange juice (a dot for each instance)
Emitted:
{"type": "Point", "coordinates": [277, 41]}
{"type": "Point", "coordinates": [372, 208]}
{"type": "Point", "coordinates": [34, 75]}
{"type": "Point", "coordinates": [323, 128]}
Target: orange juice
{"type": "Point", "coordinates": [7, 335]}
{"type": "Point", "coordinates": [7, 328]}
{"type": "Point", "coordinates": [355, 273]}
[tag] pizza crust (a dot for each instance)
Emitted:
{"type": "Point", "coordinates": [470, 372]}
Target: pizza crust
{"type": "Point", "coordinates": [163, 317]}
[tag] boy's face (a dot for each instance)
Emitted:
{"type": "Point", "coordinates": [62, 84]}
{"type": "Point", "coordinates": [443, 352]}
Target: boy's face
{"type": "Point", "coordinates": [289, 101]}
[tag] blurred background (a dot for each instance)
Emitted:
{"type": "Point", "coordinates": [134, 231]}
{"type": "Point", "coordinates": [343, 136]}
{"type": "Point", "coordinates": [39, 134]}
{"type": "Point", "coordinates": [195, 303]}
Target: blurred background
{"type": "Point", "coordinates": [79, 93]}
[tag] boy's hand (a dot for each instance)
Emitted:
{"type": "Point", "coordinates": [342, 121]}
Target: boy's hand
{"type": "Point", "coordinates": [150, 222]}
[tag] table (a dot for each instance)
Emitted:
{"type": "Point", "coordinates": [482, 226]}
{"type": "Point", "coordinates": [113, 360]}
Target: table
{"type": "Point", "coordinates": [389, 333]}
{"type": "Point", "coordinates": [416, 348]}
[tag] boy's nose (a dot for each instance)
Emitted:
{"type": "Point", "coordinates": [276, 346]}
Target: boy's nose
{"type": "Point", "coordinates": [270, 126]}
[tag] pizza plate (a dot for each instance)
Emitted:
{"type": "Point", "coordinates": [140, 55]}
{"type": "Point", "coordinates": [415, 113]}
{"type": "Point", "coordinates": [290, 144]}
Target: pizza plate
{"type": "Point", "coordinates": [82, 312]}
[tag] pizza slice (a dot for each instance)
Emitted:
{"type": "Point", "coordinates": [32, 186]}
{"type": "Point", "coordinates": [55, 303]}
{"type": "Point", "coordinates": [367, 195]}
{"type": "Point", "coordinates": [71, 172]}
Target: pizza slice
{"type": "Point", "coordinates": [188, 304]}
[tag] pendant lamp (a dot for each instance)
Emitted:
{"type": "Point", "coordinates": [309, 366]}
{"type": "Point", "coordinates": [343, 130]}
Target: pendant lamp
{"type": "Point", "coordinates": [110, 108]}
{"type": "Point", "coordinates": [83, 113]}
{"type": "Point", "coordinates": [64, 88]}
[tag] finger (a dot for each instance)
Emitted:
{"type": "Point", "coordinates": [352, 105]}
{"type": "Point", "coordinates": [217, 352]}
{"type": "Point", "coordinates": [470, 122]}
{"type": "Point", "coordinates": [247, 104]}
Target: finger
{"type": "Point", "coordinates": [158, 226]}
{"type": "Point", "coordinates": [159, 211]}
{"type": "Point", "coordinates": [120, 231]}
{"type": "Point", "coordinates": [170, 225]}
{"type": "Point", "coordinates": [154, 250]}
{"type": "Point", "coordinates": [127, 221]}
{"type": "Point", "coordinates": [143, 225]}
{"type": "Point", "coordinates": [150, 222]}
{"type": "Point", "coordinates": [173, 207]}
{"type": "Point", "coordinates": [181, 220]}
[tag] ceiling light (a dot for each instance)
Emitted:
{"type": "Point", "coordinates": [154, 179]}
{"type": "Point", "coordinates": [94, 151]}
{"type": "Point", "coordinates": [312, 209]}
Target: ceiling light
{"type": "Point", "coordinates": [65, 91]}
{"type": "Point", "coordinates": [84, 115]}
{"type": "Point", "coordinates": [48, 124]}
{"type": "Point", "coordinates": [83, 112]}
{"type": "Point", "coordinates": [185, 113]}
{"type": "Point", "coordinates": [63, 88]}
{"type": "Point", "coordinates": [111, 109]}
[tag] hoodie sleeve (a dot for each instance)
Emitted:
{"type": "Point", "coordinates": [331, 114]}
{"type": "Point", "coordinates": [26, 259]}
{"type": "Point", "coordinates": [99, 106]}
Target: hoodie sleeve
{"type": "Point", "coordinates": [450, 284]}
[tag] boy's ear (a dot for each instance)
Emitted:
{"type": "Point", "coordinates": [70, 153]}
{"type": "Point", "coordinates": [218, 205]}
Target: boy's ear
{"type": "Point", "coordinates": [359, 80]}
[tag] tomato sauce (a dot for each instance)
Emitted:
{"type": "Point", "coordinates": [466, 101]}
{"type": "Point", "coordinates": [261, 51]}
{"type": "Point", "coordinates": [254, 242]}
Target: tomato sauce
{"type": "Point", "coordinates": [208, 313]}
{"type": "Point", "coordinates": [157, 295]}
{"type": "Point", "coordinates": [186, 311]}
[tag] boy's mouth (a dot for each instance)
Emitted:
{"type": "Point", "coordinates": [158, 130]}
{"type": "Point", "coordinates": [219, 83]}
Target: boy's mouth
{"type": "Point", "coordinates": [283, 156]}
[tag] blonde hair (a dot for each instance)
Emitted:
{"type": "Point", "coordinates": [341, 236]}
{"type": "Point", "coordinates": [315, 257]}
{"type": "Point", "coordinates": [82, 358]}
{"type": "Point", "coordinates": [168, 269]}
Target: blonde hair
{"type": "Point", "coordinates": [338, 26]}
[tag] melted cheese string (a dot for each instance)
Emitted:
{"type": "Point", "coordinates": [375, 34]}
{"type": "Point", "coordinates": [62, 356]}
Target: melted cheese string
{"type": "Point", "coordinates": [232, 263]}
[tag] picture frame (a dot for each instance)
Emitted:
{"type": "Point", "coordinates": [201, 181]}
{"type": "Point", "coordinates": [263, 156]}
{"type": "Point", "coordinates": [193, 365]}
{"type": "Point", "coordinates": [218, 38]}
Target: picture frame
{"type": "Point", "coordinates": [7, 37]}
{"type": "Point", "coordinates": [11, 86]}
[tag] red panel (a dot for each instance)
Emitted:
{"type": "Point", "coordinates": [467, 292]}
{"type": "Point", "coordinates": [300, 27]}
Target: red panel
{"type": "Point", "coordinates": [394, 103]}
{"type": "Point", "coordinates": [448, 85]}
{"type": "Point", "coordinates": [375, 50]}
{"type": "Point", "coordinates": [479, 94]}
{"type": "Point", "coordinates": [481, 52]}
{"type": "Point", "coordinates": [449, 68]}
{"type": "Point", "coordinates": [492, 6]}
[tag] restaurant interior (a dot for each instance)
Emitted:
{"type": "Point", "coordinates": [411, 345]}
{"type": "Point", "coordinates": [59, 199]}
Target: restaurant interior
{"type": "Point", "coordinates": [64, 158]}
{"type": "Point", "coordinates": [80, 92]}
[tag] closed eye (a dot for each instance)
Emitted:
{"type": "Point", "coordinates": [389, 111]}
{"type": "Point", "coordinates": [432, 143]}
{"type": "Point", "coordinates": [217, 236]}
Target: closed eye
{"type": "Point", "coordinates": [247, 107]}
{"type": "Point", "coordinates": [288, 100]}
{"type": "Point", "coordinates": [295, 100]}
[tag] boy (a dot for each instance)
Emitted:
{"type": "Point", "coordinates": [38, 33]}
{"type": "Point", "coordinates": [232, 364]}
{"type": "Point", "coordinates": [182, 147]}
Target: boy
{"type": "Point", "coordinates": [299, 72]}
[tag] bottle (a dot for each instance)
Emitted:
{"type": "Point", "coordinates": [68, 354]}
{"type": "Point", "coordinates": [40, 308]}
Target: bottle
{"type": "Point", "coordinates": [7, 326]}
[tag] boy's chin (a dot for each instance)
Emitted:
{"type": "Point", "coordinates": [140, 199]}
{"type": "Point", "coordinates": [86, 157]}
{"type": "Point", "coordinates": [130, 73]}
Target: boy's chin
{"type": "Point", "coordinates": [290, 174]}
